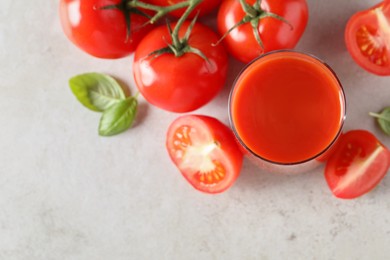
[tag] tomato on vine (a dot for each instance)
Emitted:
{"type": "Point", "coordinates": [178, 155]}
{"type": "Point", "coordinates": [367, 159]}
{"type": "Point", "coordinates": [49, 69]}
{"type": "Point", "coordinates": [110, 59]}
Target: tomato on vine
{"type": "Point", "coordinates": [367, 36]}
{"type": "Point", "coordinates": [253, 27]}
{"type": "Point", "coordinates": [103, 28]}
{"type": "Point", "coordinates": [180, 71]}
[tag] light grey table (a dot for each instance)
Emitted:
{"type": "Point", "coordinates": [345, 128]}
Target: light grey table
{"type": "Point", "coordinates": [66, 193]}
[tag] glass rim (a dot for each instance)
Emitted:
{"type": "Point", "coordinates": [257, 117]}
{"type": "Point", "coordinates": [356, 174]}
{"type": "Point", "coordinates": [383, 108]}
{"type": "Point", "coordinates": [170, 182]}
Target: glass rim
{"type": "Point", "coordinates": [323, 151]}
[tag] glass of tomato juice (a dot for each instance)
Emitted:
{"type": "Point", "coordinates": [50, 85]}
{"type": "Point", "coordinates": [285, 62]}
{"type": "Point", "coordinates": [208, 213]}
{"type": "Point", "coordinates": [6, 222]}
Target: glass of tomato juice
{"type": "Point", "coordinates": [287, 110]}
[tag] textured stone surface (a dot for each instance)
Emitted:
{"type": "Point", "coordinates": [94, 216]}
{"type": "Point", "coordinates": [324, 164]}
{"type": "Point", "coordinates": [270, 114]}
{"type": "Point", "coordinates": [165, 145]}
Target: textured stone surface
{"type": "Point", "coordinates": [66, 193]}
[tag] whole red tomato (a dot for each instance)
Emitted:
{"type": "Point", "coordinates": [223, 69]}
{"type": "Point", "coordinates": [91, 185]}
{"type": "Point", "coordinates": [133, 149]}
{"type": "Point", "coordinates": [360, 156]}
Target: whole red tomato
{"type": "Point", "coordinates": [274, 33]}
{"type": "Point", "coordinates": [205, 151]}
{"type": "Point", "coordinates": [101, 33]}
{"type": "Point", "coordinates": [204, 8]}
{"type": "Point", "coordinates": [367, 37]}
{"type": "Point", "coordinates": [184, 83]}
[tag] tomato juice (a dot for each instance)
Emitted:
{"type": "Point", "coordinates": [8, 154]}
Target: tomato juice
{"type": "Point", "coordinates": [287, 108]}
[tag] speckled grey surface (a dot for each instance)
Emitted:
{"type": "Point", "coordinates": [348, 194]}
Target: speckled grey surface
{"type": "Point", "coordinates": [66, 193]}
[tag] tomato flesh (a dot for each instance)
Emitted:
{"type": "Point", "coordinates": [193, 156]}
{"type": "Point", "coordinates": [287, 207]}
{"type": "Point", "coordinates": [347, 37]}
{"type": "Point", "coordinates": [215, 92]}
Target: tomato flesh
{"type": "Point", "coordinates": [212, 177]}
{"type": "Point", "coordinates": [367, 36]}
{"type": "Point", "coordinates": [357, 165]}
{"type": "Point", "coordinates": [370, 45]}
{"type": "Point", "coordinates": [205, 152]}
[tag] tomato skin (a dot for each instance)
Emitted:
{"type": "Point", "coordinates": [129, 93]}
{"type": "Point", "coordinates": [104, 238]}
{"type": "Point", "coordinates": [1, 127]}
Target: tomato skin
{"type": "Point", "coordinates": [357, 165]}
{"type": "Point", "coordinates": [205, 7]}
{"type": "Point", "coordinates": [185, 83]}
{"type": "Point", "coordinates": [207, 131]}
{"type": "Point", "coordinates": [275, 34]}
{"type": "Point", "coordinates": [101, 33]}
{"type": "Point", "coordinates": [365, 29]}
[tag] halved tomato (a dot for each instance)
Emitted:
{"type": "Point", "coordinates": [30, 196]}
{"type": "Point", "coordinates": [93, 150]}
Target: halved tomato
{"type": "Point", "coordinates": [205, 151]}
{"type": "Point", "coordinates": [367, 37]}
{"type": "Point", "coordinates": [357, 165]}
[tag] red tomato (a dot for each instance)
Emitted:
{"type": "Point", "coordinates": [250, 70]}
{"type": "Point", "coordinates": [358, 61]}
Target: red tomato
{"type": "Point", "coordinates": [185, 83]}
{"type": "Point", "coordinates": [367, 37]}
{"type": "Point", "coordinates": [204, 8]}
{"type": "Point", "coordinates": [101, 33]}
{"type": "Point", "coordinates": [357, 165]}
{"type": "Point", "coordinates": [275, 34]}
{"type": "Point", "coordinates": [205, 151]}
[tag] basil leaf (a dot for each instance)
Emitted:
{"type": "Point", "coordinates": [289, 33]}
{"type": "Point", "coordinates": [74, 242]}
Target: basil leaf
{"type": "Point", "coordinates": [118, 117]}
{"type": "Point", "coordinates": [383, 119]}
{"type": "Point", "coordinates": [96, 91]}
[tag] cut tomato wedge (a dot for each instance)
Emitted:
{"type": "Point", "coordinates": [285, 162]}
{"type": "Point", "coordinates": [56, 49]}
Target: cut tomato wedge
{"type": "Point", "coordinates": [205, 151]}
{"type": "Point", "coordinates": [367, 37]}
{"type": "Point", "coordinates": [357, 165]}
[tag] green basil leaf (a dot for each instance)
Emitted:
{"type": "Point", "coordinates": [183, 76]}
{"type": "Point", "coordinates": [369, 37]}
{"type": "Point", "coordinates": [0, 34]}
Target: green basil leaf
{"type": "Point", "coordinates": [383, 119]}
{"type": "Point", "coordinates": [118, 117]}
{"type": "Point", "coordinates": [96, 91]}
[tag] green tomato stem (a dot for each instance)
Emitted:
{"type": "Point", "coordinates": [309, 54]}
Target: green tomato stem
{"type": "Point", "coordinates": [160, 10]}
{"type": "Point", "coordinates": [249, 10]}
{"type": "Point", "coordinates": [253, 14]}
{"type": "Point", "coordinates": [179, 45]}
{"type": "Point", "coordinates": [175, 34]}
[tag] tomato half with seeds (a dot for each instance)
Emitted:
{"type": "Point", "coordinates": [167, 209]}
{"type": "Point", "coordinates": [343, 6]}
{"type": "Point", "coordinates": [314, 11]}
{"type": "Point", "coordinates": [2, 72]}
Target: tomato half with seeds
{"type": "Point", "coordinates": [367, 36]}
{"type": "Point", "coordinates": [102, 33]}
{"type": "Point", "coordinates": [205, 151]}
{"type": "Point", "coordinates": [357, 165]}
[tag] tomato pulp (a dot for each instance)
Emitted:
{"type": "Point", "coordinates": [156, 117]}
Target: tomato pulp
{"type": "Point", "coordinates": [357, 165]}
{"type": "Point", "coordinates": [287, 107]}
{"type": "Point", "coordinates": [367, 36]}
{"type": "Point", "coordinates": [205, 151]}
